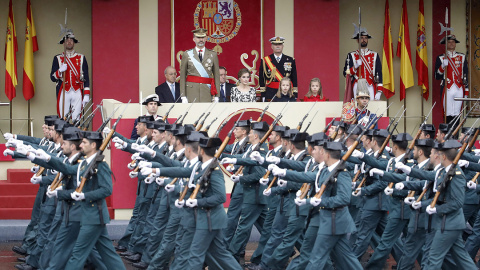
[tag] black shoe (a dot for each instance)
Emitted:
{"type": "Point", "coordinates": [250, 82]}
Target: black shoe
{"type": "Point", "coordinates": [140, 265]}
{"type": "Point", "coordinates": [120, 248]}
{"type": "Point", "coordinates": [134, 258]}
{"type": "Point", "coordinates": [22, 259]}
{"type": "Point", "coordinates": [25, 266]}
{"type": "Point", "coordinates": [19, 250]}
{"type": "Point", "coordinates": [127, 253]}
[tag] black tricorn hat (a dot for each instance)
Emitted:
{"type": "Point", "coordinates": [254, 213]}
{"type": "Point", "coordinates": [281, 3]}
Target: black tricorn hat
{"type": "Point", "coordinates": [298, 137]}
{"type": "Point", "coordinates": [261, 126]}
{"type": "Point", "coordinates": [159, 125]}
{"type": "Point", "coordinates": [60, 124]}
{"type": "Point", "coordinates": [321, 142]}
{"type": "Point", "coordinates": [449, 37]}
{"type": "Point", "coordinates": [72, 134]}
{"type": "Point", "coordinates": [210, 142]}
{"type": "Point", "coordinates": [183, 130]}
{"type": "Point", "coordinates": [401, 137]}
{"type": "Point", "coordinates": [334, 146]}
{"type": "Point", "coordinates": [316, 137]}
{"type": "Point", "coordinates": [281, 129]}
{"type": "Point", "coordinates": [195, 136]}
{"type": "Point", "coordinates": [288, 133]}
{"type": "Point", "coordinates": [449, 144]}
{"type": "Point", "coordinates": [428, 127]}
{"type": "Point", "coordinates": [50, 121]}
{"type": "Point", "coordinates": [151, 124]}
{"type": "Point", "coordinates": [425, 142]}
{"type": "Point", "coordinates": [370, 132]}
{"type": "Point", "coordinates": [381, 133]}
{"type": "Point", "coordinates": [68, 34]}
{"type": "Point", "coordinates": [51, 117]}
{"type": "Point", "coordinates": [444, 127]}
{"type": "Point", "coordinates": [92, 135]}
{"type": "Point", "coordinates": [145, 118]}
{"type": "Point", "coordinates": [355, 129]}
{"type": "Point", "coordinates": [244, 123]}
{"type": "Point", "coordinates": [340, 123]}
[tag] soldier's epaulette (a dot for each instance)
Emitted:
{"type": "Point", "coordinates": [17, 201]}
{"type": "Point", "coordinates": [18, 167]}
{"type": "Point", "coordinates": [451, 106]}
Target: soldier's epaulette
{"type": "Point", "coordinates": [410, 161]}
{"type": "Point", "coordinates": [383, 156]}
{"type": "Point", "coordinates": [263, 149]}
{"type": "Point", "coordinates": [216, 168]}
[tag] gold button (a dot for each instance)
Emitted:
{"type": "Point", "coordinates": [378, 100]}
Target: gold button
{"type": "Point", "coordinates": [92, 205]}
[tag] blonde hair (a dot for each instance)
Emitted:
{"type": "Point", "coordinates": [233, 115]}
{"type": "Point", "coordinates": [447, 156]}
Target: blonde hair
{"type": "Point", "coordinates": [320, 92]}
{"type": "Point", "coordinates": [290, 90]}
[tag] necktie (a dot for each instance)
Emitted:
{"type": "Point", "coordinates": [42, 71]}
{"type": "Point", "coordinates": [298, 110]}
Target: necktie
{"type": "Point", "coordinates": [172, 88]}
{"type": "Point", "coordinates": [278, 59]}
{"type": "Point", "coordinates": [200, 55]}
{"type": "Point", "coordinates": [222, 93]}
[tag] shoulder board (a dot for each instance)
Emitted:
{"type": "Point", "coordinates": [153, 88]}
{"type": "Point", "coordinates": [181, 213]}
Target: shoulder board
{"type": "Point", "coordinates": [457, 172]}
{"type": "Point", "coordinates": [345, 170]}
{"type": "Point", "coordinates": [263, 149]}
{"type": "Point", "coordinates": [216, 168]}
{"type": "Point", "coordinates": [410, 161]}
{"type": "Point", "coordinates": [384, 156]}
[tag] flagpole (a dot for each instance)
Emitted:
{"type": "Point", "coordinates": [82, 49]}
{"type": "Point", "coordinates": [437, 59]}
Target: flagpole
{"type": "Point", "coordinates": [405, 116]}
{"type": "Point", "coordinates": [445, 87]}
{"type": "Point", "coordinates": [11, 120]}
{"type": "Point", "coordinates": [29, 131]}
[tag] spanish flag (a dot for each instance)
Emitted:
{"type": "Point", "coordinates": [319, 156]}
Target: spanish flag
{"type": "Point", "coordinates": [387, 59]}
{"type": "Point", "coordinates": [421, 56]}
{"type": "Point", "coordinates": [403, 51]}
{"type": "Point", "coordinates": [11, 48]}
{"type": "Point", "coordinates": [31, 46]}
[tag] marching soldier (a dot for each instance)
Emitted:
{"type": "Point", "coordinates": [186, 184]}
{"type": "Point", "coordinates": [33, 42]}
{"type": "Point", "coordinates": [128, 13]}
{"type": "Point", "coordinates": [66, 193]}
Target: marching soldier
{"type": "Point", "coordinates": [274, 67]}
{"type": "Point", "coordinates": [457, 84]}
{"type": "Point", "coordinates": [199, 74]}
{"type": "Point", "coordinates": [152, 102]}
{"type": "Point", "coordinates": [368, 66]}
{"type": "Point", "coordinates": [74, 70]}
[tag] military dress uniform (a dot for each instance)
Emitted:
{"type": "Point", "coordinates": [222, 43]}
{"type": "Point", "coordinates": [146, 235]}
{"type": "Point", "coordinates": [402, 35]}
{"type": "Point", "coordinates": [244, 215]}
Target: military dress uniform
{"type": "Point", "coordinates": [273, 69]}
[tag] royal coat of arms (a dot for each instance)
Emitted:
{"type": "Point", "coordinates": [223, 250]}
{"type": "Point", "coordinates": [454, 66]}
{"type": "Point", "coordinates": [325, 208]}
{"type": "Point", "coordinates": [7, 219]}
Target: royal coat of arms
{"type": "Point", "coordinates": [221, 18]}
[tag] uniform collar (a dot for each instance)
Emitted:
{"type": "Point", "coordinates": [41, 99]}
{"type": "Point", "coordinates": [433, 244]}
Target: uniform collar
{"type": "Point", "coordinates": [333, 166]}
{"type": "Point", "coordinates": [193, 161]}
{"type": "Point", "coordinates": [179, 152]}
{"type": "Point", "coordinates": [204, 165]}
{"type": "Point", "coordinates": [298, 154]}
{"type": "Point", "coordinates": [276, 149]}
{"type": "Point", "coordinates": [70, 159]}
{"type": "Point", "coordinates": [397, 159]}
{"type": "Point", "coordinates": [89, 159]}
{"type": "Point", "coordinates": [421, 164]}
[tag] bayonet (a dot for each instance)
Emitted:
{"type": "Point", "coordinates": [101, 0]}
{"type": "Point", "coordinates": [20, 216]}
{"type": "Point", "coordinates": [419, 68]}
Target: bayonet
{"type": "Point", "coordinates": [309, 123]}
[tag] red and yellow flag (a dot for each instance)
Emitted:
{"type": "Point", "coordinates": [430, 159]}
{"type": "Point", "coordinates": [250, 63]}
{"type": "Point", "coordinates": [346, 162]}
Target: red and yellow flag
{"type": "Point", "coordinates": [421, 56]}
{"type": "Point", "coordinates": [31, 46]}
{"type": "Point", "coordinates": [11, 48]}
{"type": "Point", "coordinates": [387, 59]}
{"type": "Point", "coordinates": [403, 51]}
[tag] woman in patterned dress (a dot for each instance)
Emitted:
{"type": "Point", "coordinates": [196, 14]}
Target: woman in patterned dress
{"type": "Point", "coordinates": [243, 92]}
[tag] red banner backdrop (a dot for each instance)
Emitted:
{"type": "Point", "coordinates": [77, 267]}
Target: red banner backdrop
{"type": "Point", "coordinates": [234, 28]}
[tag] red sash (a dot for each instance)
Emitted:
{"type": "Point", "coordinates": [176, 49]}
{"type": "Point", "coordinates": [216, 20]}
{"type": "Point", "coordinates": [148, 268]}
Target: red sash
{"type": "Point", "coordinates": [198, 79]}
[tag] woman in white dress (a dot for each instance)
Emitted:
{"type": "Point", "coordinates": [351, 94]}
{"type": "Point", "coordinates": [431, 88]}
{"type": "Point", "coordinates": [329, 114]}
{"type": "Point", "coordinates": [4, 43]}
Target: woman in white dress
{"type": "Point", "coordinates": [243, 92]}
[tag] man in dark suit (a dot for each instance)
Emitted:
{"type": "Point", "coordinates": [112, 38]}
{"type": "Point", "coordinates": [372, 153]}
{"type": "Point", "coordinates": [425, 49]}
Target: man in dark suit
{"type": "Point", "coordinates": [169, 91]}
{"type": "Point", "coordinates": [225, 87]}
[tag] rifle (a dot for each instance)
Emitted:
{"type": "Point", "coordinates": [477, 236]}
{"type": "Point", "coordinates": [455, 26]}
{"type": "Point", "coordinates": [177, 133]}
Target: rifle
{"type": "Point", "coordinates": [92, 167]}
{"type": "Point", "coordinates": [473, 140]}
{"type": "Point", "coordinates": [200, 117]}
{"type": "Point", "coordinates": [56, 182]}
{"type": "Point", "coordinates": [341, 165]}
{"type": "Point", "coordinates": [451, 172]}
{"type": "Point", "coordinates": [80, 123]}
{"type": "Point", "coordinates": [199, 127]}
{"type": "Point", "coordinates": [309, 123]}
{"type": "Point", "coordinates": [380, 151]}
{"type": "Point", "coordinates": [185, 115]}
{"type": "Point", "coordinates": [329, 125]}
{"type": "Point", "coordinates": [77, 121]}
{"type": "Point", "coordinates": [212, 165]}
{"type": "Point", "coordinates": [412, 144]}
{"type": "Point", "coordinates": [104, 124]}
{"type": "Point", "coordinates": [90, 119]}
{"type": "Point", "coordinates": [457, 129]}
{"type": "Point", "coordinates": [168, 112]}
{"type": "Point", "coordinates": [265, 109]}
{"type": "Point", "coordinates": [304, 117]}
{"type": "Point", "coordinates": [334, 134]}
{"type": "Point", "coordinates": [209, 125]}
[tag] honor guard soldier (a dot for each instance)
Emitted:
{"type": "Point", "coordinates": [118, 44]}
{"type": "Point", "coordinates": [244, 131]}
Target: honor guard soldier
{"type": "Point", "coordinates": [152, 102]}
{"type": "Point", "coordinates": [369, 66]}
{"type": "Point", "coordinates": [274, 67]}
{"type": "Point", "coordinates": [364, 116]}
{"type": "Point", "coordinates": [199, 74]}
{"type": "Point", "coordinates": [73, 71]}
{"type": "Point", "coordinates": [457, 84]}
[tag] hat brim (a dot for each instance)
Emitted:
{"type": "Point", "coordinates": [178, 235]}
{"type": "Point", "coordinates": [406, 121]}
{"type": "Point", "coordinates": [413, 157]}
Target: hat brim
{"type": "Point", "coordinates": [277, 42]}
{"type": "Point", "coordinates": [63, 40]}
{"type": "Point", "coordinates": [356, 36]}
{"type": "Point", "coordinates": [158, 103]}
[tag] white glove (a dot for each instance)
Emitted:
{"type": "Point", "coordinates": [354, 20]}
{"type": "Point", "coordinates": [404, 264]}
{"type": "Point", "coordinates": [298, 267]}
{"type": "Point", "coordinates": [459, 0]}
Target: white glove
{"type": "Point", "coordinates": [255, 155]}
{"type": "Point", "coordinates": [77, 196]}
{"type": "Point", "coordinates": [444, 63]}
{"type": "Point", "coordinates": [160, 181]}
{"type": "Point", "coordinates": [315, 202]}
{"type": "Point", "coordinates": [267, 192]}
{"type": "Point", "coordinates": [107, 130]}
{"type": "Point", "coordinates": [229, 161]}
{"type": "Point", "coordinates": [431, 210]}
{"type": "Point", "coordinates": [409, 200]}
{"type": "Point", "coordinates": [150, 179]}
{"type": "Point", "coordinates": [135, 156]}
{"type": "Point", "coordinates": [300, 202]}
{"type": "Point", "coordinates": [43, 155]}
{"type": "Point", "coordinates": [36, 179]}
{"type": "Point", "coordinates": [354, 185]}
{"type": "Point", "coordinates": [402, 167]}
{"type": "Point", "coordinates": [131, 165]}
{"type": "Point", "coordinates": [179, 204]}
{"type": "Point", "coordinates": [416, 205]}
{"type": "Point", "coordinates": [145, 164]}
{"type": "Point", "coordinates": [13, 143]}
{"type": "Point", "coordinates": [263, 181]}
{"type": "Point", "coordinates": [471, 185]}
{"type": "Point", "coordinates": [119, 143]}
{"type": "Point", "coordinates": [119, 146]}
{"type": "Point", "coordinates": [216, 99]}
{"type": "Point", "coordinates": [169, 188]}
{"type": "Point", "coordinates": [8, 152]}
{"type": "Point", "coordinates": [298, 193]}
{"type": "Point", "coordinates": [116, 139]}
{"type": "Point", "coordinates": [235, 178]}
{"type": "Point", "coordinates": [357, 63]}
{"type": "Point", "coordinates": [461, 163]}
{"type": "Point", "coordinates": [8, 136]}
{"type": "Point", "coordinates": [282, 183]}
{"type": "Point", "coordinates": [133, 174]}
{"type": "Point", "coordinates": [230, 168]}
{"type": "Point", "coordinates": [191, 185]}
{"type": "Point", "coordinates": [357, 154]}
{"type": "Point", "coordinates": [388, 191]}
{"type": "Point", "coordinates": [53, 193]}
{"type": "Point", "coordinates": [192, 203]}
{"type": "Point", "coordinates": [35, 169]}
{"type": "Point", "coordinates": [147, 150]}
{"type": "Point", "coordinates": [22, 150]}
{"type": "Point", "coordinates": [378, 95]}
{"type": "Point", "coordinates": [62, 68]}
{"type": "Point", "coordinates": [399, 186]}
{"type": "Point", "coordinates": [278, 171]}
{"type": "Point", "coordinates": [146, 171]}
{"type": "Point", "coordinates": [357, 192]}
{"type": "Point", "coordinates": [477, 152]}
{"type": "Point", "coordinates": [388, 149]}
{"type": "Point", "coordinates": [376, 171]}
{"type": "Point", "coordinates": [85, 100]}
{"type": "Point", "coordinates": [273, 159]}
{"type": "Point", "coordinates": [184, 100]}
